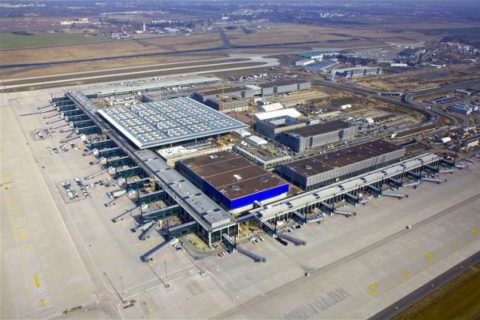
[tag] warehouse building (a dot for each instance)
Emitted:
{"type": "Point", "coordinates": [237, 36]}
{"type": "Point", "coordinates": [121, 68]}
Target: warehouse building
{"type": "Point", "coordinates": [316, 135]}
{"type": "Point", "coordinates": [233, 181]}
{"type": "Point", "coordinates": [324, 169]}
{"type": "Point", "coordinates": [169, 122]}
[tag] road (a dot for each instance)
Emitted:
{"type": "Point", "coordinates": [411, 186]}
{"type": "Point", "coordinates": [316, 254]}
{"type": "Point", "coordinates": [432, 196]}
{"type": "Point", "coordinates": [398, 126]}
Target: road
{"type": "Point", "coordinates": [408, 100]}
{"type": "Point", "coordinates": [427, 288]}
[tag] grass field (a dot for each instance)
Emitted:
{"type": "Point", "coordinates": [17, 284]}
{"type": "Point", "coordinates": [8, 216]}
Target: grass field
{"type": "Point", "coordinates": [458, 299]}
{"type": "Point", "coordinates": [14, 41]}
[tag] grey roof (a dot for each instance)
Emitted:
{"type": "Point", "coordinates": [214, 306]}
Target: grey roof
{"type": "Point", "coordinates": [203, 209]}
{"type": "Point", "coordinates": [169, 121]}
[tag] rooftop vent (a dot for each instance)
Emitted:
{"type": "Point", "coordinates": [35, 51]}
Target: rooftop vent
{"type": "Point", "coordinates": [308, 167]}
{"type": "Point", "coordinates": [263, 179]}
{"type": "Point", "coordinates": [235, 187]}
{"type": "Point", "coordinates": [237, 177]}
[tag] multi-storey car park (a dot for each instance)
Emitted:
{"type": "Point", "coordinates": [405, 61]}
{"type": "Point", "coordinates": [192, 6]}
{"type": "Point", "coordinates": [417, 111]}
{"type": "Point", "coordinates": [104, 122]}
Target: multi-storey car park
{"type": "Point", "coordinates": [135, 168]}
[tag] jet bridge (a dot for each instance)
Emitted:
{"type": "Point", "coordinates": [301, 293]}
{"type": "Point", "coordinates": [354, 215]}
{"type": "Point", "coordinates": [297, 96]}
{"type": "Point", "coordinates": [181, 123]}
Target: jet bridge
{"type": "Point", "coordinates": [88, 130]}
{"type": "Point", "coordinates": [148, 256]}
{"type": "Point", "coordinates": [110, 152]}
{"type": "Point", "coordinates": [395, 183]}
{"type": "Point", "coordinates": [182, 229]}
{"type": "Point", "coordinates": [124, 214]}
{"type": "Point", "coordinates": [162, 213]}
{"type": "Point", "coordinates": [392, 194]}
{"type": "Point", "coordinates": [296, 241]}
{"type": "Point", "coordinates": [354, 200]}
{"type": "Point", "coordinates": [233, 246]}
{"type": "Point", "coordinates": [375, 191]}
{"type": "Point", "coordinates": [150, 197]}
{"type": "Point", "coordinates": [102, 144]}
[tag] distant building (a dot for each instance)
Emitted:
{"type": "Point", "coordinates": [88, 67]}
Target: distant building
{"type": "Point", "coordinates": [304, 62]}
{"type": "Point", "coordinates": [356, 72]}
{"type": "Point", "coordinates": [462, 108]}
{"type": "Point", "coordinates": [317, 54]}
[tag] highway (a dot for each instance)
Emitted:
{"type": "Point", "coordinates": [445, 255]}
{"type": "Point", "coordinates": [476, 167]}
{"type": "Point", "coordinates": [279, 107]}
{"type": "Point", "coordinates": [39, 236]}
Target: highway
{"type": "Point", "coordinates": [427, 288]}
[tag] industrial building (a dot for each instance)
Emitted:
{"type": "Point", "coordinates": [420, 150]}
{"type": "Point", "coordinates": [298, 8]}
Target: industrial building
{"type": "Point", "coordinates": [315, 135]}
{"type": "Point", "coordinates": [226, 99]}
{"type": "Point", "coordinates": [233, 181]}
{"type": "Point", "coordinates": [272, 127]}
{"type": "Point", "coordinates": [169, 122]}
{"type": "Point", "coordinates": [304, 62]}
{"type": "Point", "coordinates": [356, 72]}
{"type": "Point", "coordinates": [463, 108]}
{"type": "Point", "coordinates": [324, 169]}
{"type": "Point", "coordinates": [283, 86]}
{"type": "Point", "coordinates": [317, 54]}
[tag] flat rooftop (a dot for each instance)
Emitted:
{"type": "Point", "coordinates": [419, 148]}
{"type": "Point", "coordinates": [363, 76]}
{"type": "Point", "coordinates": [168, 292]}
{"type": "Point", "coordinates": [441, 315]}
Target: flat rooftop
{"type": "Point", "coordinates": [219, 91]}
{"type": "Point", "coordinates": [314, 129]}
{"type": "Point", "coordinates": [155, 124]}
{"type": "Point", "coordinates": [232, 175]}
{"type": "Point", "coordinates": [280, 83]}
{"type": "Point", "coordinates": [343, 157]}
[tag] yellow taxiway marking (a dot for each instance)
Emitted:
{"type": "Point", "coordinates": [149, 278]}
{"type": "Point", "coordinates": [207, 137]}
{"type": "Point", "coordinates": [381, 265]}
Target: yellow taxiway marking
{"type": "Point", "coordinates": [42, 302]}
{"type": "Point", "coordinates": [27, 248]}
{"type": "Point", "coordinates": [454, 245]}
{"type": "Point", "coordinates": [36, 280]}
{"type": "Point", "coordinates": [405, 273]}
{"type": "Point", "coordinates": [372, 289]}
{"type": "Point", "coordinates": [474, 231]}
{"type": "Point", "coordinates": [429, 256]}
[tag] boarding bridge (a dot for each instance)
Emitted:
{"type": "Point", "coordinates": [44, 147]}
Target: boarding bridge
{"type": "Point", "coordinates": [76, 117]}
{"type": "Point", "coordinates": [136, 184]}
{"type": "Point", "coordinates": [162, 213]}
{"type": "Point", "coordinates": [151, 253]}
{"type": "Point", "coordinates": [350, 198]}
{"type": "Point", "coordinates": [126, 172]}
{"type": "Point", "coordinates": [296, 241]}
{"type": "Point", "coordinates": [151, 197]}
{"type": "Point", "coordinates": [108, 153]}
{"type": "Point", "coordinates": [68, 113]}
{"type": "Point", "coordinates": [393, 194]}
{"type": "Point", "coordinates": [124, 214]}
{"type": "Point", "coordinates": [431, 169]}
{"type": "Point", "coordinates": [375, 191]}
{"type": "Point", "coordinates": [145, 233]}
{"type": "Point", "coordinates": [66, 107]}
{"type": "Point", "coordinates": [232, 245]}
{"type": "Point", "coordinates": [394, 183]}
{"type": "Point", "coordinates": [118, 161]}
{"type": "Point", "coordinates": [182, 229]}
{"type": "Point", "coordinates": [88, 130]}
{"type": "Point", "coordinates": [82, 123]}
{"type": "Point", "coordinates": [102, 144]}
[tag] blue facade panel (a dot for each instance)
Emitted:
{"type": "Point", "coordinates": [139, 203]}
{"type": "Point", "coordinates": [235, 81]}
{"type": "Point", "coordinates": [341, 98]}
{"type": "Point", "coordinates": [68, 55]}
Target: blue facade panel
{"type": "Point", "coordinates": [259, 196]}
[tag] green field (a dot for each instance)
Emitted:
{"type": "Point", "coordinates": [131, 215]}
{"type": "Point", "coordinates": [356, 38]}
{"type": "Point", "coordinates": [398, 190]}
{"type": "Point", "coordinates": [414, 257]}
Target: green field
{"type": "Point", "coordinates": [38, 40]}
{"type": "Point", "coordinates": [459, 299]}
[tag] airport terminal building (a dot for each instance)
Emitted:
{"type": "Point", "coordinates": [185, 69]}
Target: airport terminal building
{"type": "Point", "coordinates": [324, 169]}
{"type": "Point", "coordinates": [233, 181]}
